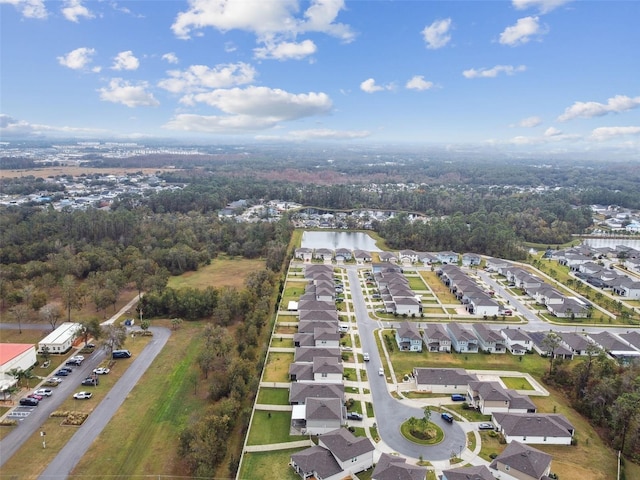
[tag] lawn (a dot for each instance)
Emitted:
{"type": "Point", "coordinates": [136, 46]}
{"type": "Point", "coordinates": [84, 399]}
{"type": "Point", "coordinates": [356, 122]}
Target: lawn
{"type": "Point", "coordinates": [277, 367]}
{"type": "Point", "coordinates": [416, 283]}
{"type": "Point", "coordinates": [268, 465]}
{"type": "Point", "coordinates": [490, 444]}
{"type": "Point", "coordinates": [279, 342]}
{"type": "Point", "coordinates": [439, 289]}
{"type": "Point", "coordinates": [271, 427]}
{"type": "Point", "coordinates": [470, 414]}
{"type": "Point", "coordinates": [273, 396]}
{"type": "Point", "coordinates": [517, 383]}
{"type": "Point", "coordinates": [222, 272]}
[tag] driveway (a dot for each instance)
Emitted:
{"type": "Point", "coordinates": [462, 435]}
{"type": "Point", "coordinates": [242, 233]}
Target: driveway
{"type": "Point", "coordinates": [389, 412]}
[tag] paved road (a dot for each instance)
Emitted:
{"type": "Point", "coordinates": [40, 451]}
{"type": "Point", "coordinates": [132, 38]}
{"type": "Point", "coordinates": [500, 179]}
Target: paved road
{"type": "Point", "coordinates": [390, 413]}
{"type": "Point", "coordinates": [76, 447]}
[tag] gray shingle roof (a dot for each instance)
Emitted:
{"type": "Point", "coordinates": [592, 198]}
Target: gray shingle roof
{"type": "Point", "coordinates": [299, 392]}
{"type": "Point", "coordinates": [391, 467]}
{"type": "Point", "coordinates": [344, 445]}
{"type": "Point", "coordinates": [317, 459]}
{"type": "Point", "coordinates": [443, 376]}
{"type": "Point", "coordinates": [534, 424]}
{"type": "Point", "coordinates": [523, 458]}
{"type": "Point", "coordinates": [479, 472]}
{"type": "Point", "coordinates": [324, 409]}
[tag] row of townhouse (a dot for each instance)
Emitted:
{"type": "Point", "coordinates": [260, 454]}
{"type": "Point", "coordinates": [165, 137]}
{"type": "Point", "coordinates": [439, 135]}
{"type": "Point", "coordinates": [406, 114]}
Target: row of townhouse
{"type": "Point", "coordinates": [556, 302]}
{"type": "Point", "coordinates": [513, 414]}
{"type": "Point", "coordinates": [395, 292]}
{"type": "Point", "coordinates": [607, 279]}
{"type": "Point", "coordinates": [478, 337]}
{"type": "Point", "coordinates": [475, 300]}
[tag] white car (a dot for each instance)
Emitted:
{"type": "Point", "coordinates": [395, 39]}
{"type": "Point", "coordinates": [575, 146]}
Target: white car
{"type": "Point", "coordinates": [82, 395]}
{"type": "Point", "coordinates": [55, 380]}
{"type": "Point", "coordinates": [365, 356]}
{"type": "Point", "coordinates": [381, 372]}
{"type": "Point", "coordinates": [43, 392]}
{"type": "Point", "coordinates": [101, 371]}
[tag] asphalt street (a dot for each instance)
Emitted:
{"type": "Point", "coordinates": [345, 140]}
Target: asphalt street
{"type": "Point", "coordinates": [391, 413]}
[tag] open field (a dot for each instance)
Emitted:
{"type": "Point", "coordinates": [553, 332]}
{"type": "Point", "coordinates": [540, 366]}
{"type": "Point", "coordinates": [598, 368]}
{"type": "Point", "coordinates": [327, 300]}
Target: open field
{"type": "Point", "coordinates": [264, 465]}
{"type": "Point", "coordinates": [439, 289]}
{"type": "Point", "coordinates": [222, 272]}
{"type": "Point", "coordinates": [76, 171]}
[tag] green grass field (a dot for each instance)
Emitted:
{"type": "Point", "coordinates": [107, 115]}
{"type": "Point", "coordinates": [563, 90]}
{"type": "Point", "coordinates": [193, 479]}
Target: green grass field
{"type": "Point", "coordinates": [273, 396]}
{"type": "Point", "coordinates": [268, 465]}
{"type": "Point", "coordinates": [271, 427]}
{"type": "Point", "coordinates": [517, 383]}
{"type": "Point", "coordinates": [277, 367]}
{"type": "Point", "coordinates": [222, 272]}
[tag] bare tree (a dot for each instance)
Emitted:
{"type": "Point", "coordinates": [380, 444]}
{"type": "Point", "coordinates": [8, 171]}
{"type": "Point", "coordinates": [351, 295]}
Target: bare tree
{"type": "Point", "coordinates": [114, 336]}
{"type": "Point", "coordinates": [51, 314]}
{"type": "Point", "coordinates": [20, 313]}
{"type": "Point", "coordinates": [551, 342]}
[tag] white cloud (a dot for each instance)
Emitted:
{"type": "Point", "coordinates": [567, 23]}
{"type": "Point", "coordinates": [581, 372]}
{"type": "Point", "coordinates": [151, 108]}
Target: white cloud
{"type": "Point", "coordinates": [11, 127]}
{"type": "Point", "coordinates": [29, 8]}
{"type": "Point", "coordinates": [252, 108]}
{"type": "Point", "coordinates": [77, 59]}
{"type": "Point", "coordinates": [170, 57]}
{"type": "Point", "coordinates": [617, 104]}
{"type": "Point", "coordinates": [327, 134]}
{"type": "Point", "coordinates": [607, 133]}
{"type": "Point", "coordinates": [493, 72]}
{"type": "Point", "coordinates": [198, 78]}
{"type": "Point", "coordinates": [417, 82]}
{"type": "Point", "coordinates": [125, 61]}
{"type": "Point", "coordinates": [264, 19]}
{"type": "Point", "coordinates": [552, 132]}
{"type": "Point", "coordinates": [74, 9]}
{"type": "Point", "coordinates": [551, 135]}
{"type": "Point", "coordinates": [286, 50]}
{"type": "Point", "coordinates": [521, 32]}
{"type": "Point", "coordinates": [369, 86]}
{"type": "Point", "coordinates": [121, 91]}
{"type": "Point", "coordinates": [530, 122]}
{"type": "Point", "coordinates": [437, 34]}
{"type": "Point", "coordinates": [544, 6]}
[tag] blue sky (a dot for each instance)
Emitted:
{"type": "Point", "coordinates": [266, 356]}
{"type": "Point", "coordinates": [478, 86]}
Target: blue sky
{"type": "Point", "coordinates": [528, 75]}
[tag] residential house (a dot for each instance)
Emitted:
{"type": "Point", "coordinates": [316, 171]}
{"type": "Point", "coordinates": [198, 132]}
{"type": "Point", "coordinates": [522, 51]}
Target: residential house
{"type": "Point", "coordinates": [443, 380]}
{"type": "Point", "coordinates": [304, 254]}
{"type": "Point", "coordinates": [362, 256]}
{"type": "Point", "coordinates": [300, 391]}
{"type": "Point", "coordinates": [307, 354]}
{"type": "Point", "coordinates": [338, 455]}
{"type": "Point", "coordinates": [388, 257]}
{"type": "Point", "coordinates": [614, 346]}
{"type": "Point", "coordinates": [491, 397]}
{"type": "Point", "coordinates": [497, 265]}
{"type": "Point", "coordinates": [392, 467]}
{"type": "Point", "coordinates": [436, 339]}
{"type": "Point", "coordinates": [538, 340]}
{"type": "Point", "coordinates": [627, 288]}
{"type": "Point", "coordinates": [535, 428]}
{"type": "Point", "coordinates": [447, 257]}
{"type": "Point", "coordinates": [462, 339]}
{"type": "Point", "coordinates": [570, 308]}
{"type": "Point", "coordinates": [343, 254]}
{"type": "Point", "coordinates": [323, 254]}
{"type": "Point", "coordinates": [408, 256]}
{"type": "Point", "coordinates": [489, 340]}
{"type": "Point", "coordinates": [471, 260]}
{"type": "Point", "coordinates": [575, 342]}
{"type": "Point", "coordinates": [407, 306]}
{"type": "Point", "coordinates": [408, 337]}
{"type": "Point", "coordinates": [318, 416]}
{"type": "Point", "coordinates": [632, 338]}
{"type": "Point", "coordinates": [522, 462]}
{"type": "Point", "coordinates": [517, 341]}
{"type": "Point", "coordinates": [309, 326]}
{"type": "Point", "coordinates": [478, 472]}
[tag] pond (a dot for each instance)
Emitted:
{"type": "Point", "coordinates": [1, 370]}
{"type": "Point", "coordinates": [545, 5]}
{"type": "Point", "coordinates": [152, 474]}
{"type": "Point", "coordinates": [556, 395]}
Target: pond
{"type": "Point", "coordinates": [333, 240]}
{"type": "Point", "coordinates": [612, 242]}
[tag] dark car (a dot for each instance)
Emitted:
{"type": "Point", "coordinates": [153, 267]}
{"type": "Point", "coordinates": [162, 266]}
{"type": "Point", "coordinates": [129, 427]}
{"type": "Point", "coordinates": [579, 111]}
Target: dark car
{"type": "Point", "coordinates": [456, 397]}
{"type": "Point", "coordinates": [121, 354]}
{"type": "Point", "coordinates": [62, 373]}
{"type": "Point", "coordinates": [92, 382]}
{"type": "Point", "coordinates": [447, 417]}
{"type": "Point", "coordinates": [354, 416]}
{"type": "Point", "coordinates": [29, 402]}
{"type": "Point", "coordinates": [74, 362]}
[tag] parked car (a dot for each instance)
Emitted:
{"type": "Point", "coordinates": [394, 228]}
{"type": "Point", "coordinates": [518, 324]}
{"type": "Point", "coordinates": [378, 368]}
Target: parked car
{"type": "Point", "coordinates": [55, 380]}
{"type": "Point", "coordinates": [82, 395]}
{"type": "Point", "coordinates": [121, 354]}
{"type": "Point", "coordinates": [29, 402]}
{"type": "Point", "coordinates": [90, 381]}
{"type": "Point", "coordinates": [101, 371]}
{"type": "Point", "coordinates": [456, 397]}
{"type": "Point", "coordinates": [45, 392]}
{"type": "Point", "coordinates": [77, 357]}
{"type": "Point", "coordinates": [66, 369]}
{"type": "Point", "coordinates": [447, 417]}
{"type": "Point", "coordinates": [486, 426]}
{"type": "Point", "coordinates": [62, 373]}
{"type": "Point", "coordinates": [381, 372]}
{"type": "Point", "coordinates": [36, 396]}
{"type": "Point", "coordinates": [354, 416]}
{"type": "Point", "coordinates": [365, 356]}
{"type": "Point", "coordinates": [74, 362]}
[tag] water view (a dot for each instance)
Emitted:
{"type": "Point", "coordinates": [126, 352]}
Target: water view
{"type": "Point", "coordinates": [333, 240]}
{"type": "Point", "coordinates": [612, 242]}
